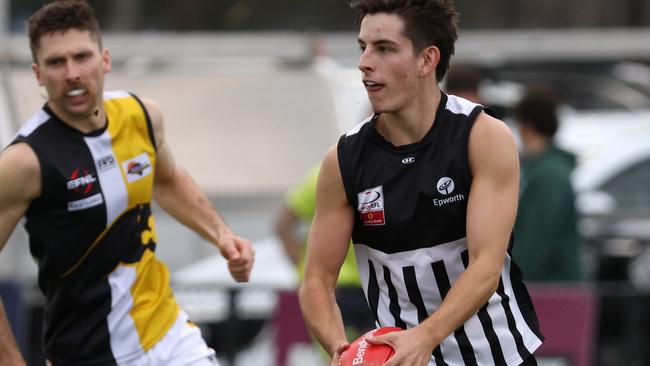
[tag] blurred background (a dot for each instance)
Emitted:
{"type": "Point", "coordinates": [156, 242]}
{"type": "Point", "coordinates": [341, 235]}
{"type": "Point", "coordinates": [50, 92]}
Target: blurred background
{"type": "Point", "coordinates": [254, 92]}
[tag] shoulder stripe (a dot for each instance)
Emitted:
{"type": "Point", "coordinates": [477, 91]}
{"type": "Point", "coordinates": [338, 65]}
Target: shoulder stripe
{"type": "Point", "coordinates": [115, 94]}
{"type": "Point", "coordinates": [33, 123]}
{"type": "Point", "coordinates": [357, 128]}
{"type": "Point", "coordinates": [458, 105]}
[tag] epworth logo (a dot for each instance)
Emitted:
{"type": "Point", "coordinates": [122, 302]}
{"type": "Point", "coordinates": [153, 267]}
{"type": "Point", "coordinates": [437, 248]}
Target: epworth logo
{"type": "Point", "coordinates": [371, 206]}
{"type": "Point", "coordinates": [446, 186]}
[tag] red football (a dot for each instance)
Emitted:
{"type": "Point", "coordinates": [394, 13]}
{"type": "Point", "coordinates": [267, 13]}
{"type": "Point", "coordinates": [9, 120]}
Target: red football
{"type": "Point", "coordinates": [362, 353]}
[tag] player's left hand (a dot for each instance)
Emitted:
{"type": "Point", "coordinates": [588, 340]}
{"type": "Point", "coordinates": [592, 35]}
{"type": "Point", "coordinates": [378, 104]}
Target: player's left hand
{"type": "Point", "coordinates": [412, 347]}
{"type": "Point", "coordinates": [239, 253]}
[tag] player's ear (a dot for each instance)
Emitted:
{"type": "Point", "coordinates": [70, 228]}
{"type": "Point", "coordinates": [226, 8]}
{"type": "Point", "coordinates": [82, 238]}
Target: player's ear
{"type": "Point", "coordinates": [37, 73]}
{"type": "Point", "coordinates": [106, 60]}
{"type": "Point", "coordinates": [430, 57]}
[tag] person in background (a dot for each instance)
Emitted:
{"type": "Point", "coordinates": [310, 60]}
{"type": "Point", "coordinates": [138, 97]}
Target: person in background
{"type": "Point", "coordinates": [292, 221]}
{"type": "Point", "coordinates": [83, 171]}
{"type": "Point", "coordinates": [463, 80]}
{"type": "Point", "coordinates": [548, 243]}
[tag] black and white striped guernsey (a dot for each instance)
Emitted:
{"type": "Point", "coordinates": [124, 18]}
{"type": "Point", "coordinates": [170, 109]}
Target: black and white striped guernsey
{"type": "Point", "coordinates": [410, 241]}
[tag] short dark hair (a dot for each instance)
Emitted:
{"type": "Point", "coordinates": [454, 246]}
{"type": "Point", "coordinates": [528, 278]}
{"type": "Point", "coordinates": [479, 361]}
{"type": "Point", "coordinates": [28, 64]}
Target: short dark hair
{"type": "Point", "coordinates": [60, 16]}
{"type": "Point", "coordinates": [538, 110]}
{"type": "Point", "coordinates": [426, 23]}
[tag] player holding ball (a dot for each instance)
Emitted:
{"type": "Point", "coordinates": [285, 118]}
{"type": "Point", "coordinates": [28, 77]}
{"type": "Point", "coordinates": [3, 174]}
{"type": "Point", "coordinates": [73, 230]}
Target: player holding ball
{"type": "Point", "coordinates": [427, 189]}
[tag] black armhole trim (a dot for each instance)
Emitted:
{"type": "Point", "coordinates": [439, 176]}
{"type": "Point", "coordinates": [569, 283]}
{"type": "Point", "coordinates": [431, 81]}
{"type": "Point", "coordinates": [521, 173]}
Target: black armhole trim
{"type": "Point", "coordinates": [343, 170]}
{"type": "Point", "coordinates": [471, 119]}
{"type": "Point", "coordinates": [489, 112]}
{"type": "Point", "coordinates": [148, 119]}
{"type": "Point", "coordinates": [17, 139]}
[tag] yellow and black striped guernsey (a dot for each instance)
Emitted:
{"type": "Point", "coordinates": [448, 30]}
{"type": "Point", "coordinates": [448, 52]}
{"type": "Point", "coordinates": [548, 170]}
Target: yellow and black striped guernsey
{"type": "Point", "coordinates": [92, 233]}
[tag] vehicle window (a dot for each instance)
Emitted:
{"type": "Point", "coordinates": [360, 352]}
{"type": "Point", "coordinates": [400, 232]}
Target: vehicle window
{"type": "Point", "coordinates": [583, 87]}
{"type": "Point", "coordinates": [631, 188]}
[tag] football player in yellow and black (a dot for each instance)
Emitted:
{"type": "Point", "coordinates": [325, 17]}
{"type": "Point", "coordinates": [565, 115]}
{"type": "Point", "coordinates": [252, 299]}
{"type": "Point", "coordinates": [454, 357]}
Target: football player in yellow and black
{"type": "Point", "coordinates": [83, 171]}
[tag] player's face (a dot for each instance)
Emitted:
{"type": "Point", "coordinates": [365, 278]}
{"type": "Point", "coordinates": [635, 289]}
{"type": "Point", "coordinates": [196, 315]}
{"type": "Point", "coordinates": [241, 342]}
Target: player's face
{"type": "Point", "coordinates": [388, 64]}
{"type": "Point", "coordinates": [71, 67]}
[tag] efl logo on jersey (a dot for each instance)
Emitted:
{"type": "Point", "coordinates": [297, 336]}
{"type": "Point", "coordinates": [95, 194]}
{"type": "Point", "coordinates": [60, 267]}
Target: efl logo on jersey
{"type": "Point", "coordinates": [137, 168]}
{"type": "Point", "coordinates": [371, 206]}
{"type": "Point", "coordinates": [81, 181]}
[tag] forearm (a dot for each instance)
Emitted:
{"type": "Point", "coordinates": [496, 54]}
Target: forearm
{"type": "Point", "coordinates": [285, 226]}
{"type": "Point", "coordinates": [292, 247]}
{"type": "Point", "coordinates": [322, 314]}
{"type": "Point", "coordinates": [181, 197]}
{"type": "Point", "coordinates": [9, 353]}
{"type": "Point", "coordinates": [467, 295]}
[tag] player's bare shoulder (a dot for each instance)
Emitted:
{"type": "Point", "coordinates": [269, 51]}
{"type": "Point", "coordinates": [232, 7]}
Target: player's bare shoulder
{"type": "Point", "coordinates": [330, 182]}
{"type": "Point", "coordinates": [20, 172]}
{"type": "Point", "coordinates": [491, 128]}
{"type": "Point", "coordinates": [491, 142]}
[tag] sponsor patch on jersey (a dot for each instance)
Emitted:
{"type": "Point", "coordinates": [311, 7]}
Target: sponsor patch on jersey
{"type": "Point", "coordinates": [445, 187]}
{"type": "Point", "coordinates": [88, 202]}
{"type": "Point", "coordinates": [105, 162]}
{"type": "Point", "coordinates": [137, 168]}
{"type": "Point", "coordinates": [371, 206]}
{"type": "Point", "coordinates": [81, 181]}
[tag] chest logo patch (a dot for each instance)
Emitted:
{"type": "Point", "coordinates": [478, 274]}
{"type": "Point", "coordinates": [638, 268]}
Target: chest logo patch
{"type": "Point", "coordinates": [82, 204]}
{"type": "Point", "coordinates": [409, 160]}
{"type": "Point", "coordinates": [81, 181]}
{"type": "Point", "coordinates": [371, 206]}
{"type": "Point", "coordinates": [137, 168]}
{"type": "Point", "coordinates": [445, 187]}
{"type": "Point", "coordinates": [105, 162]}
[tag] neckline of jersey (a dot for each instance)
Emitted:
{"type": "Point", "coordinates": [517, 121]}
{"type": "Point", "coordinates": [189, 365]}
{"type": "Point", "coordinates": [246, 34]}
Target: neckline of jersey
{"type": "Point", "coordinates": [76, 131]}
{"type": "Point", "coordinates": [413, 146]}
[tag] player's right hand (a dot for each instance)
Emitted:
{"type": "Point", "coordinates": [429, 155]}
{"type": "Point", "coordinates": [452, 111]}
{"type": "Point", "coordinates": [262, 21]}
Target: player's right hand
{"type": "Point", "coordinates": [240, 255]}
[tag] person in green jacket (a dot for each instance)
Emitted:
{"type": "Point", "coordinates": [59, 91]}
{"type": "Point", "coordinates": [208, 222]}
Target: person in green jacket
{"type": "Point", "coordinates": [547, 241]}
{"type": "Point", "coordinates": [296, 213]}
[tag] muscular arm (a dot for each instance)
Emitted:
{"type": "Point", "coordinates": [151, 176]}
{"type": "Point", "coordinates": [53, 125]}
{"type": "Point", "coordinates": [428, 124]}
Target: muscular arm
{"type": "Point", "coordinates": [181, 197]}
{"type": "Point", "coordinates": [328, 242]}
{"type": "Point", "coordinates": [21, 183]}
{"type": "Point", "coordinates": [490, 217]}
